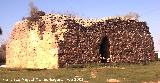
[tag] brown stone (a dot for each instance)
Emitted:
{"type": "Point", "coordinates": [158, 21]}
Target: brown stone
{"type": "Point", "coordinates": [58, 41]}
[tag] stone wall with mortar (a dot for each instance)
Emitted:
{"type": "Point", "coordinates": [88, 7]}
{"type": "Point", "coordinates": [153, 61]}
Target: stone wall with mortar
{"type": "Point", "coordinates": [129, 41]}
{"type": "Point", "coordinates": [58, 41]}
{"type": "Point", "coordinates": [34, 46]}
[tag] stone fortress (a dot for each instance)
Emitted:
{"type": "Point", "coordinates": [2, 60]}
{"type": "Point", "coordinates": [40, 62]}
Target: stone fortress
{"type": "Point", "coordinates": [54, 40]}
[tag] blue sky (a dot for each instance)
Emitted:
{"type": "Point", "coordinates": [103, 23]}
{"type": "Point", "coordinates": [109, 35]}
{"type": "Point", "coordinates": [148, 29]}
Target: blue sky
{"type": "Point", "coordinates": [149, 11]}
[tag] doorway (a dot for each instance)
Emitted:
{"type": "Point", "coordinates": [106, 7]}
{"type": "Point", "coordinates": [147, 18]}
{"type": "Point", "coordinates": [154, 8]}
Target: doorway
{"type": "Point", "coordinates": [104, 49]}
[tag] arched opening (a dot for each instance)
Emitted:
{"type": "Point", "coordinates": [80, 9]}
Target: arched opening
{"type": "Point", "coordinates": [104, 50]}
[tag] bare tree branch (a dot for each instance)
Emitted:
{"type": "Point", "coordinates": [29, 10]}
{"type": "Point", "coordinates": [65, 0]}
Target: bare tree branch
{"type": "Point", "coordinates": [132, 16]}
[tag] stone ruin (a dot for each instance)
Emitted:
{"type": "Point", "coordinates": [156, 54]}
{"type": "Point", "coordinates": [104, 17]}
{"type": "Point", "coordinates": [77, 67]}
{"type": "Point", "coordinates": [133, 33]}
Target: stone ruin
{"type": "Point", "coordinates": [55, 40]}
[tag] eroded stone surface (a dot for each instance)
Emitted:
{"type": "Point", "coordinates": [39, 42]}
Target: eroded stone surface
{"type": "Point", "coordinates": [58, 41]}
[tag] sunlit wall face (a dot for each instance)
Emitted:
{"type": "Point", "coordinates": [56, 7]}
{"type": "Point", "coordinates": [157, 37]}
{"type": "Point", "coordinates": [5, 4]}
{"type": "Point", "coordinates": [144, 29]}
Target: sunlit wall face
{"type": "Point", "coordinates": [33, 48]}
{"type": "Point", "coordinates": [55, 40]}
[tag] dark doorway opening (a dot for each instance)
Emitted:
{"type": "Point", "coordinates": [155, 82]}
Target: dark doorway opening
{"type": "Point", "coordinates": [104, 50]}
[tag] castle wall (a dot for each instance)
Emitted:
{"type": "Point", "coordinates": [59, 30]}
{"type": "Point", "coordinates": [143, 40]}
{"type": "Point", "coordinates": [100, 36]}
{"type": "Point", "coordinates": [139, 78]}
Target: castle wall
{"type": "Point", "coordinates": [55, 41]}
{"type": "Point", "coordinates": [34, 45]}
{"type": "Point", "coordinates": [129, 42]}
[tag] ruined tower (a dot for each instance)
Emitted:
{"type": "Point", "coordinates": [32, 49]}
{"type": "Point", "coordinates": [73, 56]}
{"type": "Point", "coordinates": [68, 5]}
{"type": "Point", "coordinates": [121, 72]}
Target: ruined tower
{"type": "Point", "coordinates": [54, 40]}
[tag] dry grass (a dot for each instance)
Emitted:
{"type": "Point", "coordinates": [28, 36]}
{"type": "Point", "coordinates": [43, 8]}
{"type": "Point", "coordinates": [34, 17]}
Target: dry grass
{"type": "Point", "coordinates": [92, 73]}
